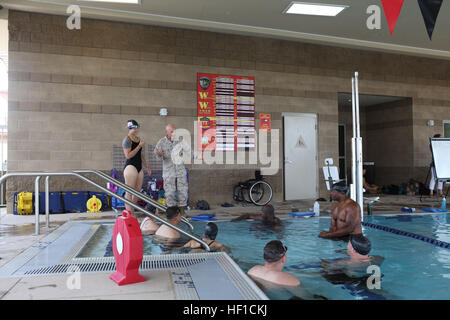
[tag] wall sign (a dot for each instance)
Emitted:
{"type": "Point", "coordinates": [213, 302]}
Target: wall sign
{"type": "Point", "coordinates": [264, 121]}
{"type": "Point", "coordinates": [226, 112]}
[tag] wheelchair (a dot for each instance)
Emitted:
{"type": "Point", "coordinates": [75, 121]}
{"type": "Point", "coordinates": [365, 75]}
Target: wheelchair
{"type": "Point", "coordinates": [256, 191]}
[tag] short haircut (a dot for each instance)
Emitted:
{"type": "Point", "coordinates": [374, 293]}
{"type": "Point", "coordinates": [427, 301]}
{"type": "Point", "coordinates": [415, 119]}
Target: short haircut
{"type": "Point", "coordinates": [274, 251]}
{"type": "Point", "coordinates": [268, 211]}
{"type": "Point", "coordinates": [172, 212]}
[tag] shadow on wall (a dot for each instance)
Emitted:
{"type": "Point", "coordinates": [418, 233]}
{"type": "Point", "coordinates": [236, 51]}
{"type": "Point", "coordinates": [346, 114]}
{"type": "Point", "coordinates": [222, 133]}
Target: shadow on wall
{"type": "Point", "coordinates": [387, 132]}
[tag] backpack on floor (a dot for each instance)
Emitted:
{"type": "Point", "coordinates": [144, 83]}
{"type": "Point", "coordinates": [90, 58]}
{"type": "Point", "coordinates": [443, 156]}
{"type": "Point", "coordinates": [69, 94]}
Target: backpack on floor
{"type": "Point", "coordinates": [202, 205]}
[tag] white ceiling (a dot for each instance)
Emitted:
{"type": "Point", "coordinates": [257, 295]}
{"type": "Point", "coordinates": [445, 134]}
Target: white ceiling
{"type": "Point", "coordinates": [266, 18]}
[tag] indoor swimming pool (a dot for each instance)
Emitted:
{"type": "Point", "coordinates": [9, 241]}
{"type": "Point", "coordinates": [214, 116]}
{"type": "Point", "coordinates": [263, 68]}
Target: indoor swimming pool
{"type": "Point", "coordinates": [410, 268]}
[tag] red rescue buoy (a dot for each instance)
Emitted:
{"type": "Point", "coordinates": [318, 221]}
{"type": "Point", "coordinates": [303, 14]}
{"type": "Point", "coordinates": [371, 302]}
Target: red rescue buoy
{"type": "Point", "coordinates": [128, 249]}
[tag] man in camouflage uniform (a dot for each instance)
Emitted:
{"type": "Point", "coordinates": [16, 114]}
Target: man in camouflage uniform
{"type": "Point", "coordinates": [174, 175]}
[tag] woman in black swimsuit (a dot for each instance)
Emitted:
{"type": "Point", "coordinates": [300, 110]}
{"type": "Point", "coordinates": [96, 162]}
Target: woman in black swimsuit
{"type": "Point", "coordinates": [132, 171]}
{"type": "Point", "coordinates": [209, 237]}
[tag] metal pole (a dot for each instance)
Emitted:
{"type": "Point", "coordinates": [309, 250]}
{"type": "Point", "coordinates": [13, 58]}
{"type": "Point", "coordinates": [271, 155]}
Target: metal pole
{"type": "Point", "coordinates": [353, 184]}
{"type": "Point", "coordinates": [359, 156]}
{"type": "Point", "coordinates": [47, 202]}
{"type": "Point", "coordinates": [133, 192]}
{"type": "Point", "coordinates": [143, 210]}
{"type": "Point", "coordinates": [358, 132]}
{"type": "Point", "coordinates": [36, 205]}
{"type": "Point", "coordinates": [125, 187]}
{"type": "Point", "coordinates": [112, 194]}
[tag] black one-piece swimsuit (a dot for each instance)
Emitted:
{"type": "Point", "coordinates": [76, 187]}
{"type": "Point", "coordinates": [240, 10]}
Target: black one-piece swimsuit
{"type": "Point", "coordinates": [135, 161]}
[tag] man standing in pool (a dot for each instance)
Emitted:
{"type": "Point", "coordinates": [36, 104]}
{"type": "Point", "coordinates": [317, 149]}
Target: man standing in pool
{"type": "Point", "coordinates": [345, 215]}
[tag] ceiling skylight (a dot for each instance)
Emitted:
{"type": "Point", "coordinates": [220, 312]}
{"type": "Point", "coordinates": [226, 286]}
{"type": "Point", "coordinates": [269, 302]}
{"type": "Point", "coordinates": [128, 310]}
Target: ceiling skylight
{"type": "Point", "coordinates": [316, 9]}
{"type": "Point", "coordinates": [115, 1]}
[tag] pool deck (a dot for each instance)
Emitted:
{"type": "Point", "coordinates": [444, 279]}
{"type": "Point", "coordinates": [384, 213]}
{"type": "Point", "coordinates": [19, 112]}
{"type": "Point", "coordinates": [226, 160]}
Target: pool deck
{"type": "Point", "coordinates": [17, 235]}
{"type": "Point", "coordinates": [92, 287]}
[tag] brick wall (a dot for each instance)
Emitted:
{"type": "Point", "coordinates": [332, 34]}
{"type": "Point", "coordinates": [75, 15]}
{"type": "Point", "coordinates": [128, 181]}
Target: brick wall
{"type": "Point", "coordinates": [71, 91]}
{"type": "Point", "coordinates": [389, 141]}
{"type": "Point", "coordinates": [387, 132]}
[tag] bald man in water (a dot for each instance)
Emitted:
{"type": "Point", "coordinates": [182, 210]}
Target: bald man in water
{"type": "Point", "coordinates": [174, 175]}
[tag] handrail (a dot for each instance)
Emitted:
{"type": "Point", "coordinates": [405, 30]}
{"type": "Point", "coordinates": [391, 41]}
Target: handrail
{"type": "Point", "coordinates": [134, 192]}
{"type": "Point", "coordinates": [112, 194]}
{"type": "Point", "coordinates": [36, 205]}
{"type": "Point", "coordinates": [137, 194]}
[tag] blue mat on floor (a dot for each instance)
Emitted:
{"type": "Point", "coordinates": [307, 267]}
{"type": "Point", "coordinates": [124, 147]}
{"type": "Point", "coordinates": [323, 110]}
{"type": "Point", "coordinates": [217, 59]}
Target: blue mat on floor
{"type": "Point", "coordinates": [204, 217]}
{"type": "Point", "coordinates": [302, 214]}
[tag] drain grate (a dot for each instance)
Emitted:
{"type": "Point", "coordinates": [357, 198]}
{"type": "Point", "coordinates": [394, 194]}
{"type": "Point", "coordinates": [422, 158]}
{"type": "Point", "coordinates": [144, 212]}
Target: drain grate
{"type": "Point", "coordinates": [64, 268]}
{"type": "Point", "coordinates": [108, 265]}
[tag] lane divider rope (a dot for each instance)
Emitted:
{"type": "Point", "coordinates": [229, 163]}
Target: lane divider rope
{"type": "Point", "coordinates": [432, 241]}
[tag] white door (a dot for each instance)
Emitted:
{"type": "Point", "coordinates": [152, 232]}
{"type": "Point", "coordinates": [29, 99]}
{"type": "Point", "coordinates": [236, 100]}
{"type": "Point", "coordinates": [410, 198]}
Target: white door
{"type": "Point", "coordinates": [300, 156]}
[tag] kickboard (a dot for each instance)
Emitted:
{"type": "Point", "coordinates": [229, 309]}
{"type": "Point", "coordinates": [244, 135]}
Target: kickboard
{"type": "Point", "coordinates": [203, 219]}
{"type": "Point", "coordinates": [205, 216]}
{"type": "Point", "coordinates": [302, 214]}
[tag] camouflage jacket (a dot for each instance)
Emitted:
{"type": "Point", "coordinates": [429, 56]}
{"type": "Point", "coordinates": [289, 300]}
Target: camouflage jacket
{"type": "Point", "coordinates": [170, 169]}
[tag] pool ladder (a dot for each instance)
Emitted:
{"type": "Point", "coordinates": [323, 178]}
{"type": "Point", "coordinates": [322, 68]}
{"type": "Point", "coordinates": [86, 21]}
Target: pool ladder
{"type": "Point", "coordinates": [80, 174]}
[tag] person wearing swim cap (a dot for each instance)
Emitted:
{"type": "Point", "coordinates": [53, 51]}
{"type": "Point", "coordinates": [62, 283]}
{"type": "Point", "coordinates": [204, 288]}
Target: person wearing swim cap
{"type": "Point", "coordinates": [358, 248]}
{"type": "Point", "coordinates": [209, 237]}
{"type": "Point", "coordinates": [352, 273]}
{"type": "Point", "coordinates": [132, 171]}
{"type": "Point", "coordinates": [274, 261]}
{"type": "Point", "coordinates": [345, 215]}
{"type": "Point", "coordinates": [267, 216]}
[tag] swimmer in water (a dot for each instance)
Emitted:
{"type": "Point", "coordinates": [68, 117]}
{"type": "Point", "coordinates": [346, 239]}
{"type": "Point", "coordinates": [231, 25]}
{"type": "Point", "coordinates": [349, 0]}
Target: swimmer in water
{"type": "Point", "coordinates": [272, 271]}
{"type": "Point", "coordinates": [345, 215]}
{"type": "Point", "coordinates": [267, 217]}
{"type": "Point", "coordinates": [358, 248]}
{"type": "Point", "coordinates": [173, 215]}
{"type": "Point", "coordinates": [352, 273]}
{"type": "Point", "coordinates": [209, 237]}
{"type": "Point", "coordinates": [148, 226]}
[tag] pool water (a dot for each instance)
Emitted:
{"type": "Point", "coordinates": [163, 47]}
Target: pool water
{"type": "Point", "coordinates": [411, 269]}
{"type": "Point", "coordinates": [436, 226]}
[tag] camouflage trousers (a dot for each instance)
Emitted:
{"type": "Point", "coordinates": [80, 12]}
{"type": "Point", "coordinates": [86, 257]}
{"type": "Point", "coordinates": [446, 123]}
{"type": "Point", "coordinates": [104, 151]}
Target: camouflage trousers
{"type": "Point", "coordinates": [171, 186]}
